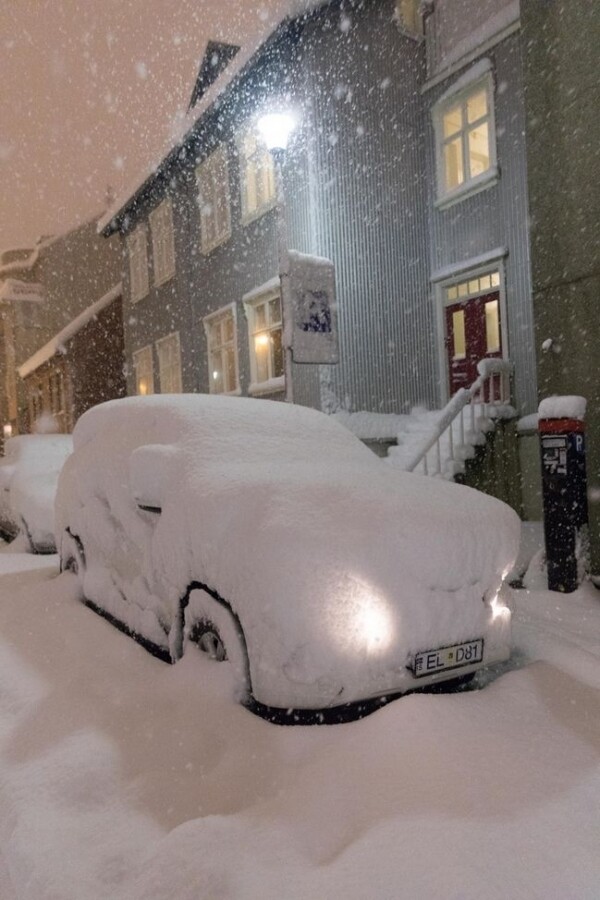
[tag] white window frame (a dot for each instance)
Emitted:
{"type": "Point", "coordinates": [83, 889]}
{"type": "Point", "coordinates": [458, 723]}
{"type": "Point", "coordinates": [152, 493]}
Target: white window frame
{"type": "Point", "coordinates": [137, 249]}
{"type": "Point", "coordinates": [274, 383]}
{"type": "Point", "coordinates": [144, 358]}
{"type": "Point", "coordinates": [163, 242]}
{"type": "Point", "coordinates": [214, 200]}
{"type": "Point", "coordinates": [249, 212]}
{"type": "Point", "coordinates": [161, 346]}
{"type": "Point", "coordinates": [209, 323]}
{"type": "Point", "coordinates": [458, 95]}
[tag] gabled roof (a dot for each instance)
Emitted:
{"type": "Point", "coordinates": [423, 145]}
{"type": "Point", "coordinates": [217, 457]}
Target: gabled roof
{"type": "Point", "coordinates": [291, 10]}
{"type": "Point", "coordinates": [216, 58]}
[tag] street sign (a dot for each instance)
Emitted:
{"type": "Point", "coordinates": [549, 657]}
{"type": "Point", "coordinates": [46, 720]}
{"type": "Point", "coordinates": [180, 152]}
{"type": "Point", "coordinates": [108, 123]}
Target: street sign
{"type": "Point", "coordinates": [310, 303]}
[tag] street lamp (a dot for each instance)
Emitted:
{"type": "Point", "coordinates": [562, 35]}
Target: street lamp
{"type": "Point", "coordinates": [275, 129]}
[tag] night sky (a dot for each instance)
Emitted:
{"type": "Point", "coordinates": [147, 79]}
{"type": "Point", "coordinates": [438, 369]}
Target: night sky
{"type": "Point", "coordinates": [92, 91]}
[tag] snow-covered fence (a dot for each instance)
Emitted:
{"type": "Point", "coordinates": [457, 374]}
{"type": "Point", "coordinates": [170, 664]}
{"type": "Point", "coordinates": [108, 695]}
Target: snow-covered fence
{"type": "Point", "coordinates": [464, 421]}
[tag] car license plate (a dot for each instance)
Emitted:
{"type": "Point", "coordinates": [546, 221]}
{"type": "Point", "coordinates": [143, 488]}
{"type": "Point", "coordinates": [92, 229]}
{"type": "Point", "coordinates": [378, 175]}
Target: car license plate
{"type": "Point", "coordinates": [428, 662]}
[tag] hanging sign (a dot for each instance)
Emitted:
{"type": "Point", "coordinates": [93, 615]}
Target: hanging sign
{"type": "Point", "coordinates": [309, 302]}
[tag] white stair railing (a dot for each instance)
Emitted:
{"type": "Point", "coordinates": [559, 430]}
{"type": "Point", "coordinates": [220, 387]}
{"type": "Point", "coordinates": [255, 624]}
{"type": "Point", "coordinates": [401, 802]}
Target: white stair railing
{"type": "Point", "coordinates": [465, 419]}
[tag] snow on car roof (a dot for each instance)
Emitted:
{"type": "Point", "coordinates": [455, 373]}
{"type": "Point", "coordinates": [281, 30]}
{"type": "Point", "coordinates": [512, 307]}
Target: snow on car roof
{"type": "Point", "coordinates": [228, 428]}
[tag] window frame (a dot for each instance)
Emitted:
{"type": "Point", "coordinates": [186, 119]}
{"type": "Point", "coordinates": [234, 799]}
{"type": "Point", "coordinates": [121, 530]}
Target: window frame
{"type": "Point", "coordinates": [161, 343]}
{"type": "Point", "coordinates": [274, 383]}
{"type": "Point", "coordinates": [137, 250]}
{"type": "Point", "coordinates": [250, 214]}
{"type": "Point", "coordinates": [458, 96]}
{"type": "Point", "coordinates": [209, 322]}
{"type": "Point", "coordinates": [208, 171]}
{"type": "Point", "coordinates": [163, 242]}
{"type": "Point", "coordinates": [136, 357]}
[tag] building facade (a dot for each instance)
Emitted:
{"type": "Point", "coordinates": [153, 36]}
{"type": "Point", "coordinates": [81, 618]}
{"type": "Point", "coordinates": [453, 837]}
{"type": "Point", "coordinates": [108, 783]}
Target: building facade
{"type": "Point", "coordinates": [562, 94]}
{"type": "Point", "coordinates": [406, 170]}
{"type": "Point", "coordinates": [62, 330]}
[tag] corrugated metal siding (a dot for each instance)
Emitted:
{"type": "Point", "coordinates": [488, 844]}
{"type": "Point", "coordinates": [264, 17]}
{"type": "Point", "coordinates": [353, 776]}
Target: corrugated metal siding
{"type": "Point", "coordinates": [496, 217]}
{"type": "Point", "coordinates": [368, 209]}
{"type": "Point", "coordinates": [359, 180]}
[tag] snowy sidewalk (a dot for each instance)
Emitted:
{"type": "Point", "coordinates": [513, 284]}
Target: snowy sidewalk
{"type": "Point", "coordinates": [563, 629]}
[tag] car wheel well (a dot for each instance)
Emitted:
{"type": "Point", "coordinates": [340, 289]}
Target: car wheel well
{"type": "Point", "coordinates": [217, 616]}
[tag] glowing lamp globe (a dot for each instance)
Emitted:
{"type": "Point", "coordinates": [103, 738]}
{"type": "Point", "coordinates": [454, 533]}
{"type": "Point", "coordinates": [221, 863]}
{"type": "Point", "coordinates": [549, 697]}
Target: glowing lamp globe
{"type": "Point", "coordinates": [275, 130]}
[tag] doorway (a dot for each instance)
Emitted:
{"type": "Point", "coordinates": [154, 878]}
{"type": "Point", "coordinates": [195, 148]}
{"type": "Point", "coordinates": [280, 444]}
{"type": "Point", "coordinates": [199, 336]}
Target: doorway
{"type": "Point", "coordinates": [473, 327]}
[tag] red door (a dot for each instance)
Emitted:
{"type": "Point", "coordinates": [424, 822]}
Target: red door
{"type": "Point", "coordinates": [473, 332]}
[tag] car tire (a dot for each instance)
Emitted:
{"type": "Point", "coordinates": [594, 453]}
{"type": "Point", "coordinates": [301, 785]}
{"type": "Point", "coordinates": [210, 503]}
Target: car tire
{"type": "Point", "coordinates": [214, 628]}
{"type": "Point", "coordinates": [72, 556]}
{"type": "Point", "coordinates": [206, 635]}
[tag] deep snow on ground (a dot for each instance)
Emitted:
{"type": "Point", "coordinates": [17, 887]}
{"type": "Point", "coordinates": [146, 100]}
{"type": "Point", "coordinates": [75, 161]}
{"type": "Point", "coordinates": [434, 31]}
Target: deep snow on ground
{"type": "Point", "coordinates": [124, 778]}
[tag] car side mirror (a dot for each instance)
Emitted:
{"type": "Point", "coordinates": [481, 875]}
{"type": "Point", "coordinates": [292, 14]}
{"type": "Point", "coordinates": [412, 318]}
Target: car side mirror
{"type": "Point", "coordinates": [150, 469]}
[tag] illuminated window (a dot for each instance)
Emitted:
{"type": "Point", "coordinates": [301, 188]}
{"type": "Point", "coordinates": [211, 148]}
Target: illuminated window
{"type": "Point", "coordinates": [169, 364]}
{"type": "Point", "coordinates": [163, 242]}
{"type": "Point", "coordinates": [409, 16]}
{"type": "Point", "coordinates": [465, 138]}
{"type": "Point", "coordinates": [144, 371]}
{"type": "Point", "coordinates": [222, 351]}
{"type": "Point", "coordinates": [473, 287]}
{"type": "Point", "coordinates": [138, 263]}
{"type": "Point", "coordinates": [266, 342]}
{"type": "Point", "coordinates": [213, 199]}
{"type": "Point", "coordinates": [458, 334]}
{"type": "Point", "coordinates": [492, 326]}
{"type": "Point", "coordinates": [257, 175]}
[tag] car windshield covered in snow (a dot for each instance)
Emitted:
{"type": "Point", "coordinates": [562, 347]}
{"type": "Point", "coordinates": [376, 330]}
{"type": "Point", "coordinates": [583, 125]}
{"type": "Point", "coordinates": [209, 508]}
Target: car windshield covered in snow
{"type": "Point", "coordinates": [269, 536]}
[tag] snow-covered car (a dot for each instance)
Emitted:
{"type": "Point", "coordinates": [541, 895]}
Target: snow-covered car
{"type": "Point", "coordinates": [269, 536]}
{"type": "Point", "coordinates": [29, 473]}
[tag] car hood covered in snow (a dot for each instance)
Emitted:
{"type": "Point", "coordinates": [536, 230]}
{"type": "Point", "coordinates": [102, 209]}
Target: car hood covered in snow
{"type": "Point", "coordinates": [334, 563]}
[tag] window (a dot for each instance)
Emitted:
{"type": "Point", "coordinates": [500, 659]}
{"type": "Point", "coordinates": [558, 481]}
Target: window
{"type": "Point", "coordinates": [169, 364]}
{"type": "Point", "coordinates": [163, 246]}
{"type": "Point", "coordinates": [47, 397]}
{"type": "Point", "coordinates": [473, 287]}
{"type": "Point", "coordinates": [266, 342]}
{"type": "Point", "coordinates": [257, 175]}
{"type": "Point", "coordinates": [138, 263]}
{"type": "Point", "coordinates": [144, 371]}
{"type": "Point", "coordinates": [213, 199]}
{"type": "Point", "coordinates": [409, 16]}
{"type": "Point", "coordinates": [222, 351]}
{"type": "Point", "coordinates": [56, 393]}
{"type": "Point", "coordinates": [492, 326]}
{"type": "Point", "coordinates": [458, 332]}
{"type": "Point", "coordinates": [466, 153]}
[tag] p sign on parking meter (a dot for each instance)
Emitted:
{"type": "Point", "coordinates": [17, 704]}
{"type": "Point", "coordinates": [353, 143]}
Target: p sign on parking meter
{"type": "Point", "coordinates": [564, 486]}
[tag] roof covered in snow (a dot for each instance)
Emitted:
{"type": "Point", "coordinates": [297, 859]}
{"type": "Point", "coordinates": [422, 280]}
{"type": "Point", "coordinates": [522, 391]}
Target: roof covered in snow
{"type": "Point", "coordinates": [55, 344]}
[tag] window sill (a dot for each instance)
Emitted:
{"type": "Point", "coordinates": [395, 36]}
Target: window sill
{"type": "Point", "coordinates": [158, 282]}
{"type": "Point", "coordinates": [207, 249]}
{"type": "Point", "coordinates": [481, 183]}
{"type": "Point", "coordinates": [272, 386]}
{"type": "Point", "coordinates": [249, 217]}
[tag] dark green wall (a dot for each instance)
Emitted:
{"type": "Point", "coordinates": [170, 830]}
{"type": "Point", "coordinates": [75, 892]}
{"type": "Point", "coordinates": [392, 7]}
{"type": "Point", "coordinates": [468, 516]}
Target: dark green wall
{"type": "Point", "coordinates": [562, 92]}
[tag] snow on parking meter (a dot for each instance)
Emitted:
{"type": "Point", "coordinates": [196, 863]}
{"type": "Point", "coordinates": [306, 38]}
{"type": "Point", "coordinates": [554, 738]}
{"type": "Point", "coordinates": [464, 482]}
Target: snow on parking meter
{"type": "Point", "coordinates": [564, 487]}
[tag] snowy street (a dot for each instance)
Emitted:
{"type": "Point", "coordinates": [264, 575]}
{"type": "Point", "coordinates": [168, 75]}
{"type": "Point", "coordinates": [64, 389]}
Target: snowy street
{"type": "Point", "coordinates": [124, 778]}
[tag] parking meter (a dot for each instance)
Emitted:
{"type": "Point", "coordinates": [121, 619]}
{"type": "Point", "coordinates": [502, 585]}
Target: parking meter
{"type": "Point", "coordinates": [564, 488]}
